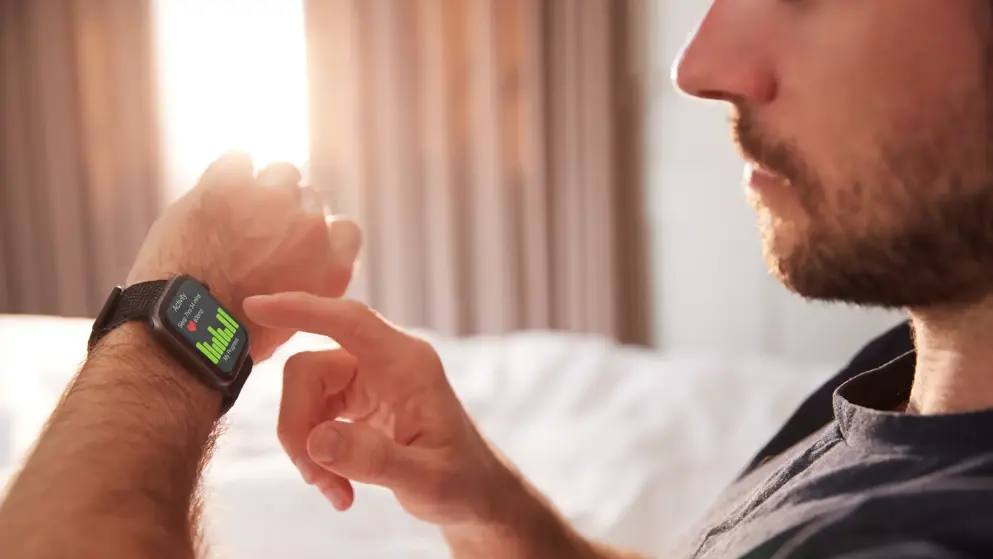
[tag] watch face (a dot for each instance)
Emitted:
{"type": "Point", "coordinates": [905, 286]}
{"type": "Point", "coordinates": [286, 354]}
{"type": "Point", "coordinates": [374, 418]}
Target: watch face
{"type": "Point", "coordinates": [205, 326]}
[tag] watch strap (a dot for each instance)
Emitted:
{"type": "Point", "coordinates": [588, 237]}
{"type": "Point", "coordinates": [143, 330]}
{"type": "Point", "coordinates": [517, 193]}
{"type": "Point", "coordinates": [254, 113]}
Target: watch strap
{"type": "Point", "coordinates": [137, 302]}
{"type": "Point", "coordinates": [234, 389]}
{"type": "Point", "coordinates": [124, 305]}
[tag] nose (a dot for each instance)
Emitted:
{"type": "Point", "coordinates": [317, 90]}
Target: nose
{"type": "Point", "coordinates": [726, 59]}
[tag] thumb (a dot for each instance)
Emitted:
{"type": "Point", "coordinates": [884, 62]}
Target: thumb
{"type": "Point", "coordinates": [362, 453]}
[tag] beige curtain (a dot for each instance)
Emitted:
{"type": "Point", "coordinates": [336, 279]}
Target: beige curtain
{"type": "Point", "coordinates": [79, 166]}
{"type": "Point", "coordinates": [491, 149]}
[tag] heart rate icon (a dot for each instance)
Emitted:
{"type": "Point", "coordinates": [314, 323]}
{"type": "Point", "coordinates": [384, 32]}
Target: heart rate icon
{"type": "Point", "coordinates": [191, 326]}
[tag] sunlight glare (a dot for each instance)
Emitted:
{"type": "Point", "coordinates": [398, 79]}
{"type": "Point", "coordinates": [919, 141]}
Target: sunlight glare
{"type": "Point", "coordinates": [233, 76]}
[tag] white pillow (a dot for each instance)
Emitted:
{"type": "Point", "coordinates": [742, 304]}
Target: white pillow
{"type": "Point", "coordinates": [630, 444]}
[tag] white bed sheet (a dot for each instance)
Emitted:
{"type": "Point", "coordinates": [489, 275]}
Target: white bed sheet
{"type": "Point", "coordinates": [632, 445]}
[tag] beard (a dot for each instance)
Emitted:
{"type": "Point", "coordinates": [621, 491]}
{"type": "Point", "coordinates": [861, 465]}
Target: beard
{"type": "Point", "coordinates": [913, 227]}
{"type": "Point", "coordinates": [942, 255]}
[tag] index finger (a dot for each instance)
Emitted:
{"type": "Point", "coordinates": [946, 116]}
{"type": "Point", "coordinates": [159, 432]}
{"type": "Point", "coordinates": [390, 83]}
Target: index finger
{"type": "Point", "coordinates": [358, 329]}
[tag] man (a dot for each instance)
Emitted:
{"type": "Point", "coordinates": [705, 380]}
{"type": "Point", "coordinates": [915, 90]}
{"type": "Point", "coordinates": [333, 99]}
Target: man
{"type": "Point", "coordinates": [866, 124]}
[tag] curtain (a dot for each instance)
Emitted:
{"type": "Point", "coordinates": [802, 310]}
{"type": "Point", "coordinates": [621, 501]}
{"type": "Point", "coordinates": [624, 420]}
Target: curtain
{"type": "Point", "coordinates": [79, 169]}
{"type": "Point", "coordinates": [492, 151]}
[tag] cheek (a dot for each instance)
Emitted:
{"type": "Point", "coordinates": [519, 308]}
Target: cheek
{"type": "Point", "coordinates": [856, 77]}
{"type": "Point", "coordinates": [872, 160]}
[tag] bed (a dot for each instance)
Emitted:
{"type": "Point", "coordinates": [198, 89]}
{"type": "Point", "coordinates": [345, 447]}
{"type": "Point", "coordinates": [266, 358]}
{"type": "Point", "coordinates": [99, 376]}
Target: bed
{"type": "Point", "coordinates": [631, 444]}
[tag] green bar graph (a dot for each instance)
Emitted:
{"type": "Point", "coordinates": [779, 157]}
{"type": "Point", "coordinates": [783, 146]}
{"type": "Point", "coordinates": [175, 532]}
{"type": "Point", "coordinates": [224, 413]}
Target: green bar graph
{"type": "Point", "coordinates": [226, 320]}
{"type": "Point", "coordinates": [221, 336]}
{"type": "Point", "coordinates": [214, 352]}
{"type": "Point", "coordinates": [208, 352]}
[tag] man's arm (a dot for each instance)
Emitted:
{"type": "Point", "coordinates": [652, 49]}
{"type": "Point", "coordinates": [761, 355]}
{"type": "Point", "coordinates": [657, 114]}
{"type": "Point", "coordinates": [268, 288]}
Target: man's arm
{"type": "Point", "coordinates": [407, 431]}
{"type": "Point", "coordinates": [116, 471]}
{"type": "Point", "coordinates": [524, 525]}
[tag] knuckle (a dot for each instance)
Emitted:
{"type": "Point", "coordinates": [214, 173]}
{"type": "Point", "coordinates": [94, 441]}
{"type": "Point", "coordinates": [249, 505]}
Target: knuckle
{"type": "Point", "coordinates": [425, 354]}
{"type": "Point", "coordinates": [315, 232]}
{"type": "Point", "coordinates": [353, 314]}
{"type": "Point", "coordinates": [354, 308]}
{"type": "Point", "coordinates": [296, 364]}
{"type": "Point", "coordinates": [378, 461]}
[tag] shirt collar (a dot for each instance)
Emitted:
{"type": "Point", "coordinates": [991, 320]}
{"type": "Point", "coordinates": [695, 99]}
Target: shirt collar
{"type": "Point", "coordinates": [864, 408]}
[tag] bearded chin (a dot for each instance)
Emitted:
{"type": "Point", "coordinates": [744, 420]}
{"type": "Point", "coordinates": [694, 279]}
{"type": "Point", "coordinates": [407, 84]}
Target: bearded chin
{"type": "Point", "coordinates": [939, 255]}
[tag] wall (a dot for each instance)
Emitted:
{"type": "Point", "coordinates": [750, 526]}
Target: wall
{"type": "Point", "coordinates": [712, 292]}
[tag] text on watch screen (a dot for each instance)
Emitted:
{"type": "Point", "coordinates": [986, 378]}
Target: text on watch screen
{"type": "Point", "coordinates": [207, 327]}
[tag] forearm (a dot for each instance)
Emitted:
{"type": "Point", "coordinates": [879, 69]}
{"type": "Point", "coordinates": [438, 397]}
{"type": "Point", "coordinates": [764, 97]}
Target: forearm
{"type": "Point", "coordinates": [115, 471]}
{"type": "Point", "coordinates": [524, 525]}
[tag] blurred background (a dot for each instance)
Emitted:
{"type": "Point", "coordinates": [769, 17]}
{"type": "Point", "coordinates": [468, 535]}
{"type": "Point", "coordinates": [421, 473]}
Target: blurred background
{"type": "Point", "coordinates": [568, 230]}
{"type": "Point", "coordinates": [519, 164]}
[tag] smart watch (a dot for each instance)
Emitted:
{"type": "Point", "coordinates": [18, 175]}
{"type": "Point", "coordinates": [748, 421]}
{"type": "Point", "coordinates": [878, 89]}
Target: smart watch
{"type": "Point", "coordinates": [191, 324]}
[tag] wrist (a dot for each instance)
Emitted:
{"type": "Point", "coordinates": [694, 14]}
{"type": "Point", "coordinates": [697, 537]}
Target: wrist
{"type": "Point", "coordinates": [516, 521]}
{"type": "Point", "coordinates": [152, 375]}
{"type": "Point", "coordinates": [503, 503]}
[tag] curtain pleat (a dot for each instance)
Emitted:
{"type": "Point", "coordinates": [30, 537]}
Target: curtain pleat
{"type": "Point", "coordinates": [339, 145]}
{"type": "Point", "coordinates": [478, 143]}
{"type": "Point", "coordinates": [78, 150]}
{"type": "Point", "coordinates": [435, 91]}
{"type": "Point", "coordinates": [526, 62]}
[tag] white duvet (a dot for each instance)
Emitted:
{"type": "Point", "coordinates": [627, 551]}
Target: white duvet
{"type": "Point", "coordinates": [630, 444]}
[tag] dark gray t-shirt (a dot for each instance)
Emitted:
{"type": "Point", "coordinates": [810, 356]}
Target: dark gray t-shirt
{"type": "Point", "coordinates": [865, 483]}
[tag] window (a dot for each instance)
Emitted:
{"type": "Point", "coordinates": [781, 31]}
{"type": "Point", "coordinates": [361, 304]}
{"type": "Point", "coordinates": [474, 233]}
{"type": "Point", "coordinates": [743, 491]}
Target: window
{"type": "Point", "coordinates": [232, 76]}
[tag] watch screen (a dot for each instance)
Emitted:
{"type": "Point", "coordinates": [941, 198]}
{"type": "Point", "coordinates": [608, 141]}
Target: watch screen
{"type": "Point", "coordinates": [207, 327]}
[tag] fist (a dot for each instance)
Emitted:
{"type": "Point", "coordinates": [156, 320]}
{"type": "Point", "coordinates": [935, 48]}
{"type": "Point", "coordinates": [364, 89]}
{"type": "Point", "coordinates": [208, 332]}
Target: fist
{"type": "Point", "coordinates": [245, 235]}
{"type": "Point", "coordinates": [379, 410]}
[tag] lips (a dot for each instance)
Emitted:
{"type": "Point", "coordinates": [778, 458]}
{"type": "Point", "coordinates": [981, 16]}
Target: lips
{"type": "Point", "coordinates": [760, 178]}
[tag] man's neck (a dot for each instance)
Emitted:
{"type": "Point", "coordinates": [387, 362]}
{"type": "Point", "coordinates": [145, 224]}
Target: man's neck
{"type": "Point", "coordinates": [954, 371]}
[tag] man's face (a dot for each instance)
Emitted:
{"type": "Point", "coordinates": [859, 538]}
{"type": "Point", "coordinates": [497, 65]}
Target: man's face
{"type": "Point", "coordinates": [873, 118]}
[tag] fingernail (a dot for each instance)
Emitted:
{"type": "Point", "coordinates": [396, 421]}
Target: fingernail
{"type": "Point", "coordinates": [325, 445]}
{"type": "Point", "coordinates": [261, 299]}
{"type": "Point", "coordinates": [257, 298]}
{"type": "Point", "coordinates": [307, 471]}
{"type": "Point", "coordinates": [346, 240]}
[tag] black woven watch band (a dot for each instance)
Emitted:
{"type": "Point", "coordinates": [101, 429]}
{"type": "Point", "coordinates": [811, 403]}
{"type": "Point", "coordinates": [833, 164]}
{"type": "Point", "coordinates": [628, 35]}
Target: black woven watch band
{"type": "Point", "coordinates": [137, 302]}
{"type": "Point", "coordinates": [234, 389]}
{"type": "Point", "coordinates": [125, 305]}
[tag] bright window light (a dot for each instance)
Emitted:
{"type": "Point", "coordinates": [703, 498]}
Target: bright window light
{"type": "Point", "coordinates": [233, 76]}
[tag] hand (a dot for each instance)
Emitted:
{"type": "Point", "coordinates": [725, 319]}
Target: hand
{"type": "Point", "coordinates": [407, 431]}
{"type": "Point", "coordinates": [245, 235]}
